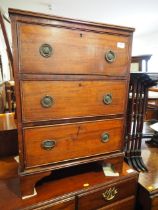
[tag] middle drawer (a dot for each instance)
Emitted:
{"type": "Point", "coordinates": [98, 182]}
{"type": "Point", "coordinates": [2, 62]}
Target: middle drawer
{"type": "Point", "coordinates": [51, 100]}
{"type": "Point", "coordinates": [63, 142]}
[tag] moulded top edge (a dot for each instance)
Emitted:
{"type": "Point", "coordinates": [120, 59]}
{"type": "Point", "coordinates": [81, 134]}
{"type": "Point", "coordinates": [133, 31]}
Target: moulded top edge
{"type": "Point", "coordinates": [58, 18]}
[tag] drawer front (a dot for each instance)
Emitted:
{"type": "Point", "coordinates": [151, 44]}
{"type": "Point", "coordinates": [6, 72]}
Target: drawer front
{"type": "Point", "coordinates": [100, 199]}
{"type": "Point", "coordinates": [57, 143]}
{"type": "Point", "coordinates": [63, 205]}
{"type": "Point", "coordinates": [50, 100]}
{"type": "Point", "coordinates": [46, 49]}
{"type": "Point", "coordinates": [128, 204]}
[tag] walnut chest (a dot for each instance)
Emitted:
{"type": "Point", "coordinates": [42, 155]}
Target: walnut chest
{"type": "Point", "coordinates": [71, 90]}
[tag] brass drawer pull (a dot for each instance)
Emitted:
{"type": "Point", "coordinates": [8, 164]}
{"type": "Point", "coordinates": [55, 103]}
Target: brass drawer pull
{"type": "Point", "coordinates": [107, 99]}
{"type": "Point", "coordinates": [110, 56]}
{"type": "Point", "coordinates": [48, 144]}
{"type": "Point", "coordinates": [105, 137]}
{"type": "Point", "coordinates": [110, 194]}
{"type": "Point", "coordinates": [47, 101]}
{"type": "Point", "coordinates": [46, 50]}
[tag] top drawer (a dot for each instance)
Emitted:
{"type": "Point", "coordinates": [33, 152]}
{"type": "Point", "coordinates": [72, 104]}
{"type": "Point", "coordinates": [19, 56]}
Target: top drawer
{"type": "Point", "coordinates": [52, 50]}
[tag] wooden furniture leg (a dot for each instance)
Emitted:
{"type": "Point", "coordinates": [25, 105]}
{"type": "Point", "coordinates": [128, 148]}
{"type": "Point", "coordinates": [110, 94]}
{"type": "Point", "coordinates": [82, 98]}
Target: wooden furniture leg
{"type": "Point", "coordinates": [27, 183]}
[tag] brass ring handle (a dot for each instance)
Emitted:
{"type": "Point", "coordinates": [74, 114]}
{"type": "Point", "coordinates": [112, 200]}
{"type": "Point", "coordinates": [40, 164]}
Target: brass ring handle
{"type": "Point", "coordinates": [47, 101]}
{"type": "Point", "coordinates": [46, 50]}
{"type": "Point", "coordinates": [110, 56]}
{"type": "Point", "coordinates": [110, 194]}
{"type": "Point", "coordinates": [48, 144]}
{"type": "Point", "coordinates": [107, 99]}
{"type": "Point", "coordinates": [105, 137]}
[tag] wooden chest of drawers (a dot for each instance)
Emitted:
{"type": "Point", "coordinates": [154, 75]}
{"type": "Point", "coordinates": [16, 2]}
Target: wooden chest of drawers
{"type": "Point", "coordinates": [71, 90]}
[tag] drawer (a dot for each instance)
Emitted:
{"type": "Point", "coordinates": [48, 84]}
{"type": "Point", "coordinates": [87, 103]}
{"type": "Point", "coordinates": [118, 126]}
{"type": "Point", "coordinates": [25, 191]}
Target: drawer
{"type": "Point", "coordinates": [53, 50]}
{"type": "Point", "coordinates": [51, 100]}
{"type": "Point", "coordinates": [64, 142]}
{"type": "Point", "coordinates": [127, 203]}
{"type": "Point", "coordinates": [61, 205]}
{"type": "Point", "coordinates": [108, 196]}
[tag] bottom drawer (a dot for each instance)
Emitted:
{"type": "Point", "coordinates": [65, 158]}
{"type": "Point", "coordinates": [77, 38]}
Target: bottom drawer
{"type": "Point", "coordinates": [65, 142]}
{"type": "Point", "coordinates": [125, 204]}
{"type": "Point", "coordinates": [107, 195]}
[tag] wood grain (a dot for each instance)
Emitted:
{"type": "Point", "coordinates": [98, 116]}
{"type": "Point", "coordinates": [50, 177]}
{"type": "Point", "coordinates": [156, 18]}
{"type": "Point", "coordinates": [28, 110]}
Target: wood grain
{"type": "Point", "coordinates": [76, 76]}
{"type": "Point", "coordinates": [95, 200]}
{"type": "Point", "coordinates": [60, 21]}
{"type": "Point", "coordinates": [147, 197]}
{"type": "Point", "coordinates": [127, 203]}
{"type": "Point", "coordinates": [62, 187]}
{"type": "Point", "coordinates": [8, 135]}
{"type": "Point", "coordinates": [74, 51]}
{"type": "Point", "coordinates": [71, 99]}
{"type": "Point", "coordinates": [7, 122]}
{"type": "Point", "coordinates": [27, 183]}
{"type": "Point", "coordinates": [72, 141]}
